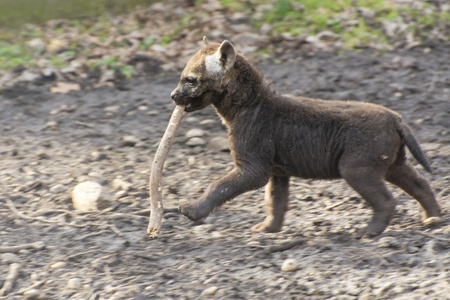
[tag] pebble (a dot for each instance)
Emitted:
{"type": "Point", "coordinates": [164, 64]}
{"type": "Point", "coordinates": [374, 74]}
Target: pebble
{"type": "Point", "coordinates": [120, 184]}
{"type": "Point", "coordinates": [195, 141]}
{"type": "Point", "coordinates": [388, 242]}
{"type": "Point", "coordinates": [51, 124]}
{"type": "Point", "coordinates": [219, 144]}
{"type": "Point", "coordinates": [112, 109]}
{"type": "Point", "coordinates": [28, 76]}
{"type": "Point", "coordinates": [58, 188]}
{"type": "Point", "coordinates": [88, 196]}
{"type": "Point", "coordinates": [194, 132]}
{"type": "Point", "coordinates": [58, 265]}
{"type": "Point", "coordinates": [34, 294]}
{"type": "Point", "coordinates": [129, 141]}
{"type": "Point", "coordinates": [97, 156]}
{"type": "Point", "coordinates": [9, 258]}
{"type": "Point", "coordinates": [289, 265]}
{"type": "Point", "coordinates": [74, 283]}
{"type": "Point", "coordinates": [120, 194]}
{"type": "Point", "coordinates": [209, 291]}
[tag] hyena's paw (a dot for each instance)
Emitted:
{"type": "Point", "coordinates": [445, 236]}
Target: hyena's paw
{"type": "Point", "coordinates": [265, 227]}
{"type": "Point", "coordinates": [370, 231]}
{"type": "Point", "coordinates": [191, 211]}
{"type": "Point", "coordinates": [432, 221]}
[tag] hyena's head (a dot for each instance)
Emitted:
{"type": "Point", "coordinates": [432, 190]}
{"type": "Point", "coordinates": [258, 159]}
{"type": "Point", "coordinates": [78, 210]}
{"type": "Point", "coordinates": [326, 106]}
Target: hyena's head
{"type": "Point", "coordinates": [202, 80]}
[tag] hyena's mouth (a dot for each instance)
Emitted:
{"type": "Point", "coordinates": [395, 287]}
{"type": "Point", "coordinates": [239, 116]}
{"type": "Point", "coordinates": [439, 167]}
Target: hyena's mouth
{"type": "Point", "coordinates": [188, 106]}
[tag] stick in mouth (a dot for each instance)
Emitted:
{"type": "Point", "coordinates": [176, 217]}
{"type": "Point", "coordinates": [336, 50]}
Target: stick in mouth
{"type": "Point", "coordinates": [156, 206]}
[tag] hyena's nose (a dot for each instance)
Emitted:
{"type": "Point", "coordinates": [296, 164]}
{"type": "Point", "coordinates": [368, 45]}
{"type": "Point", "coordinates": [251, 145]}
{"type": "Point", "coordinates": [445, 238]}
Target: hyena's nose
{"type": "Point", "coordinates": [173, 94]}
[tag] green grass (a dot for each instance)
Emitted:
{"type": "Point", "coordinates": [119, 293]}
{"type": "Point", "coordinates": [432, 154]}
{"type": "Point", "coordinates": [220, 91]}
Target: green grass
{"type": "Point", "coordinates": [309, 17]}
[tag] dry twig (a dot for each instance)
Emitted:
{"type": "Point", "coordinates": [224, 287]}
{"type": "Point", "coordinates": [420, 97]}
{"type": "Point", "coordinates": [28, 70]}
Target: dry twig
{"type": "Point", "coordinates": [13, 273]}
{"type": "Point", "coordinates": [13, 249]}
{"type": "Point", "coordinates": [156, 207]}
{"type": "Point", "coordinates": [26, 217]}
{"type": "Point", "coordinates": [285, 245]}
{"type": "Point", "coordinates": [434, 237]}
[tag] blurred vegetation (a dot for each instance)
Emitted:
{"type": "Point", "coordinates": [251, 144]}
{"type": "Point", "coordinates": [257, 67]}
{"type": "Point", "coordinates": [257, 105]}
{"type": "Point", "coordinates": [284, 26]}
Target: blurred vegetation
{"type": "Point", "coordinates": [15, 13]}
{"type": "Point", "coordinates": [354, 23]}
{"type": "Point", "coordinates": [367, 18]}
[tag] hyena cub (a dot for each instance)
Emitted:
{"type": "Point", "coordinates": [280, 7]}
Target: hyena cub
{"type": "Point", "coordinates": [273, 137]}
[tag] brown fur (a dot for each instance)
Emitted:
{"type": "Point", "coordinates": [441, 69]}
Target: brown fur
{"type": "Point", "coordinates": [273, 137]}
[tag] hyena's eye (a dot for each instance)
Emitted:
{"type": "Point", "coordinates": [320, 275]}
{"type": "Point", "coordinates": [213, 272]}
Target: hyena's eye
{"type": "Point", "coordinates": [191, 80]}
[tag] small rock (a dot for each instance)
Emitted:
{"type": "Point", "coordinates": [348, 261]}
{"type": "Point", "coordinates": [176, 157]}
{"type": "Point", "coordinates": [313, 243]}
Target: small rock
{"type": "Point", "coordinates": [120, 184]}
{"type": "Point", "coordinates": [129, 141]}
{"type": "Point", "coordinates": [97, 156]}
{"type": "Point", "coordinates": [28, 76]}
{"type": "Point", "coordinates": [74, 283]}
{"type": "Point", "coordinates": [34, 294]}
{"type": "Point", "coordinates": [49, 73]}
{"type": "Point", "coordinates": [196, 141]}
{"type": "Point", "coordinates": [58, 188]}
{"type": "Point", "coordinates": [58, 265]}
{"type": "Point", "coordinates": [195, 132]}
{"type": "Point", "coordinates": [89, 196]}
{"type": "Point", "coordinates": [254, 244]}
{"type": "Point", "coordinates": [436, 247]}
{"type": "Point", "coordinates": [432, 221]}
{"type": "Point", "coordinates": [36, 43]}
{"type": "Point", "coordinates": [289, 265]}
{"type": "Point", "coordinates": [412, 249]}
{"type": "Point", "coordinates": [9, 258]}
{"type": "Point", "coordinates": [219, 144]}
{"type": "Point", "coordinates": [265, 29]}
{"type": "Point", "coordinates": [51, 124]}
{"type": "Point", "coordinates": [388, 242]}
{"type": "Point", "coordinates": [246, 39]}
{"type": "Point", "coordinates": [120, 194]}
{"type": "Point", "coordinates": [210, 280]}
{"type": "Point", "coordinates": [209, 291]}
{"type": "Point", "coordinates": [43, 155]}
{"type": "Point", "coordinates": [112, 109]}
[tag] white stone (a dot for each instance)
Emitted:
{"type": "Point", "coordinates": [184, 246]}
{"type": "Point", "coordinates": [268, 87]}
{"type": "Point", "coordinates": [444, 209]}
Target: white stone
{"type": "Point", "coordinates": [120, 184]}
{"type": "Point", "coordinates": [58, 265]}
{"type": "Point", "coordinates": [74, 283]}
{"type": "Point", "coordinates": [196, 141]}
{"type": "Point", "coordinates": [218, 143]}
{"type": "Point", "coordinates": [209, 291]}
{"type": "Point", "coordinates": [195, 132]}
{"type": "Point", "coordinates": [86, 196]}
{"type": "Point", "coordinates": [289, 265]}
{"type": "Point", "coordinates": [58, 188]}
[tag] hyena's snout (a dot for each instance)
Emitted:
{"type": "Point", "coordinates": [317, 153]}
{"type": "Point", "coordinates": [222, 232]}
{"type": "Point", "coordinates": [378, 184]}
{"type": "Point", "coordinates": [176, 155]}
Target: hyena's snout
{"type": "Point", "coordinates": [175, 94]}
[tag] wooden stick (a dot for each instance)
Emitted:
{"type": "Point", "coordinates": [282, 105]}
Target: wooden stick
{"type": "Point", "coordinates": [12, 249]}
{"type": "Point", "coordinates": [13, 273]}
{"type": "Point", "coordinates": [156, 206]}
{"type": "Point", "coordinates": [432, 236]}
{"type": "Point", "coordinates": [285, 245]}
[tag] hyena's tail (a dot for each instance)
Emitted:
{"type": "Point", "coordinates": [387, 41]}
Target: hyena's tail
{"type": "Point", "coordinates": [413, 146]}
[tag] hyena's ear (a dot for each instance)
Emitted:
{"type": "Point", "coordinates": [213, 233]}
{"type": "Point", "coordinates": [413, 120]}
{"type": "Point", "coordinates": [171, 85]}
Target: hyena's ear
{"type": "Point", "coordinates": [227, 55]}
{"type": "Point", "coordinates": [222, 60]}
{"type": "Point", "coordinates": [205, 40]}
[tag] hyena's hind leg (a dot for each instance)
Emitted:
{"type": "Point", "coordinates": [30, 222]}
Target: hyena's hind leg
{"type": "Point", "coordinates": [369, 183]}
{"type": "Point", "coordinates": [403, 175]}
{"type": "Point", "coordinates": [276, 199]}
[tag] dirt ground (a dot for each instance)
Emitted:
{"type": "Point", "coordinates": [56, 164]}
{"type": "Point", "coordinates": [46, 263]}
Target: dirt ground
{"type": "Point", "coordinates": [50, 142]}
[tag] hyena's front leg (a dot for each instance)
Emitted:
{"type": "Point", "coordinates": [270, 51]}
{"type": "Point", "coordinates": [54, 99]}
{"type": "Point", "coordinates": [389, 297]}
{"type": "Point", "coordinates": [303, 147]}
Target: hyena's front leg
{"type": "Point", "coordinates": [235, 183]}
{"type": "Point", "coordinates": [276, 198]}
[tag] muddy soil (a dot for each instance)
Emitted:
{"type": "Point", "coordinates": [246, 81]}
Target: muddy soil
{"type": "Point", "coordinates": [50, 142]}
